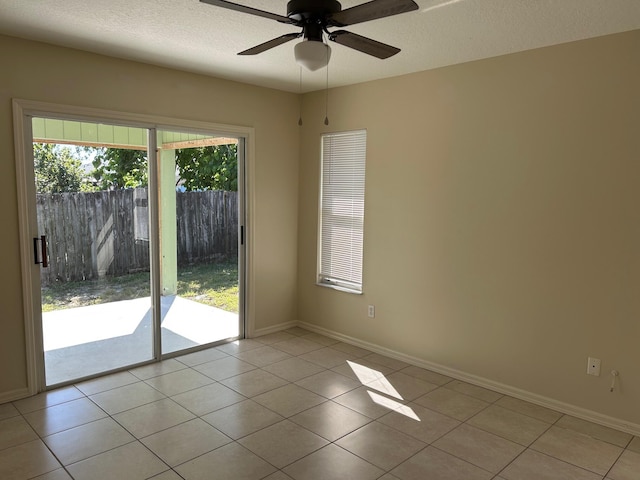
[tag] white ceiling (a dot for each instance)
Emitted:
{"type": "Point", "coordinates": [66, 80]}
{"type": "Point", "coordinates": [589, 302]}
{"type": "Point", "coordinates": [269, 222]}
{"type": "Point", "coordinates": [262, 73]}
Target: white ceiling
{"type": "Point", "coordinates": [196, 37]}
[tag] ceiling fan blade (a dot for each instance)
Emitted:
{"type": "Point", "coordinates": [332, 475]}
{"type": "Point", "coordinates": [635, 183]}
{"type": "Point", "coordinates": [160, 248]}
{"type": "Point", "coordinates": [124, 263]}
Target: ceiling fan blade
{"type": "Point", "coordinates": [363, 44]}
{"type": "Point", "coordinates": [263, 47]}
{"type": "Point", "coordinates": [250, 10]}
{"type": "Point", "coordinates": [371, 11]}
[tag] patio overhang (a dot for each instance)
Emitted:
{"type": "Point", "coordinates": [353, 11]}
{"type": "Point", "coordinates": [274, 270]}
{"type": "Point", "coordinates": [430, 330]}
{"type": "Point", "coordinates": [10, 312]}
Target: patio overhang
{"type": "Point", "coordinates": [68, 132]}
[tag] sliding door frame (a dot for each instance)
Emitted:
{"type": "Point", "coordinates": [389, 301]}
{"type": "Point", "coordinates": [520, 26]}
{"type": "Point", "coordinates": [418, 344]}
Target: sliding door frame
{"type": "Point", "coordinates": [23, 112]}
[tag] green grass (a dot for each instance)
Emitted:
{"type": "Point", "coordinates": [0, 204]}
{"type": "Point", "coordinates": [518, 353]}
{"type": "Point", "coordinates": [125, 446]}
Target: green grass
{"type": "Point", "coordinates": [214, 284]}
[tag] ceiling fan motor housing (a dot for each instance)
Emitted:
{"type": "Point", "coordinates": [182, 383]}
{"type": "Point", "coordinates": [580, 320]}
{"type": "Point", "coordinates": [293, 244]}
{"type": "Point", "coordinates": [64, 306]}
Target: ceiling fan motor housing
{"type": "Point", "coordinates": [304, 10]}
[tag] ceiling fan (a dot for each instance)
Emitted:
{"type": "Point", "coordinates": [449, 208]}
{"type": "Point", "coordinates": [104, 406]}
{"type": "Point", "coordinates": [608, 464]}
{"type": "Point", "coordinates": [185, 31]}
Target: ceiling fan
{"type": "Point", "coordinates": [315, 17]}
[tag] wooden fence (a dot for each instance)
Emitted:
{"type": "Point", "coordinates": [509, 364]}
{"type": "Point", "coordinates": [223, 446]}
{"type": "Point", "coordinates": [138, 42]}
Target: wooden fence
{"type": "Point", "coordinates": [92, 235]}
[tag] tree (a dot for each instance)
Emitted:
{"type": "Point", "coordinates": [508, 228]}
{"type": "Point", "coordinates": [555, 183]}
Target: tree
{"type": "Point", "coordinates": [120, 168]}
{"type": "Point", "coordinates": [208, 168]}
{"type": "Point", "coordinates": [56, 170]}
{"type": "Point", "coordinates": [203, 168]}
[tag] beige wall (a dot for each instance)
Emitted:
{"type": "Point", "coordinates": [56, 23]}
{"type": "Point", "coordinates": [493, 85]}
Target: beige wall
{"type": "Point", "coordinates": [35, 71]}
{"type": "Point", "coordinates": [502, 229]}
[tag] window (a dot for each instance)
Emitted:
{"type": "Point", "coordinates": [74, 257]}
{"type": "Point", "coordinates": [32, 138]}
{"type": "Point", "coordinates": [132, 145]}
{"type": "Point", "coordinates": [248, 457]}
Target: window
{"type": "Point", "coordinates": [342, 210]}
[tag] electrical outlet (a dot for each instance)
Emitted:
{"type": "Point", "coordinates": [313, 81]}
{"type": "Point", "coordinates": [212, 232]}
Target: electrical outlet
{"type": "Point", "coordinates": [371, 312]}
{"type": "Point", "coordinates": [593, 366]}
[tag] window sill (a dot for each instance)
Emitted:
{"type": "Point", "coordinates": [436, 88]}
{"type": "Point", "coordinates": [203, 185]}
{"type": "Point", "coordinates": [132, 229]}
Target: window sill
{"type": "Point", "coordinates": [339, 288]}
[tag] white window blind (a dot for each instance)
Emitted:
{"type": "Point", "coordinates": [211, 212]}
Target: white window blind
{"type": "Point", "coordinates": [342, 210]}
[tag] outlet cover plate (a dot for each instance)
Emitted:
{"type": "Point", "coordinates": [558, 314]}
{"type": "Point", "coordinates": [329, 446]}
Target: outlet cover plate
{"type": "Point", "coordinates": [593, 366]}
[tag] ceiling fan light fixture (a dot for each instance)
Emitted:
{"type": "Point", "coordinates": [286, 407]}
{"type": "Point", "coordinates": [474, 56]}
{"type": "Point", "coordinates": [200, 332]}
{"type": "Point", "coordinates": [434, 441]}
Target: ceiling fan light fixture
{"type": "Point", "coordinates": [312, 54]}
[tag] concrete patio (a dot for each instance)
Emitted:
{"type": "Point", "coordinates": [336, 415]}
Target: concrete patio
{"type": "Point", "coordinates": [88, 340]}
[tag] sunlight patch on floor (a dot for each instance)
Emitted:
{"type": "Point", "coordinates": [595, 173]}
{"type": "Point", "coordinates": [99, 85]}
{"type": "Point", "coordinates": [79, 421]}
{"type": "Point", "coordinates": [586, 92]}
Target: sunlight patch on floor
{"type": "Point", "coordinates": [365, 374]}
{"type": "Point", "coordinates": [393, 405]}
{"type": "Point", "coordinates": [376, 380]}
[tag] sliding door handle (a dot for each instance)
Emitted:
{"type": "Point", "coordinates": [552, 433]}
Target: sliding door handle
{"type": "Point", "coordinates": [40, 254]}
{"type": "Point", "coordinates": [45, 255]}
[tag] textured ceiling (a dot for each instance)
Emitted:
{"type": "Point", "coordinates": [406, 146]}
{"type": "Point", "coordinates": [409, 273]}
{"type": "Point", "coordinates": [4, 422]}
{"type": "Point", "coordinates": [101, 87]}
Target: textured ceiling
{"type": "Point", "coordinates": [193, 36]}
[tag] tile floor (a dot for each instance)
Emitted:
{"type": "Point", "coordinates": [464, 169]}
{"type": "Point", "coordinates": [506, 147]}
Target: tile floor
{"type": "Point", "coordinates": [297, 405]}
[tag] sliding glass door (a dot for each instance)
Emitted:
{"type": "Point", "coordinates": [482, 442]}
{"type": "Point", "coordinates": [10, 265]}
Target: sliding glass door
{"type": "Point", "coordinates": [199, 238]}
{"type": "Point", "coordinates": [93, 245]}
{"type": "Point", "coordinates": [137, 243]}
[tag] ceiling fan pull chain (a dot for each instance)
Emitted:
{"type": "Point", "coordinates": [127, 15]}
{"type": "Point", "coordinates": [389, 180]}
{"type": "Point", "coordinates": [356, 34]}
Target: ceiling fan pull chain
{"type": "Point", "coordinates": [300, 92]}
{"type": "Point", "coordinates": [326, 104]}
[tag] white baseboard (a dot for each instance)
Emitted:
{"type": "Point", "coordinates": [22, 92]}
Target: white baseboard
{"type": "Point", "coordinates": [14, 395]}
{"type": "Point", "coordinates": [273, 329]}
{"type": "Point", "coordinates": [562, 407]}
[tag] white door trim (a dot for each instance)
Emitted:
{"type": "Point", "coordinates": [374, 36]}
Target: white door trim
{"type": "Point", "coordinates": [23, 110]}
{"type": "Point", "coordinates": [28, 229]}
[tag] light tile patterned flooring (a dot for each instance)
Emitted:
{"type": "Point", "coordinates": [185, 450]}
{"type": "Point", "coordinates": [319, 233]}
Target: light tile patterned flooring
{"type": "Point", "coordinates": [297, 405]}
